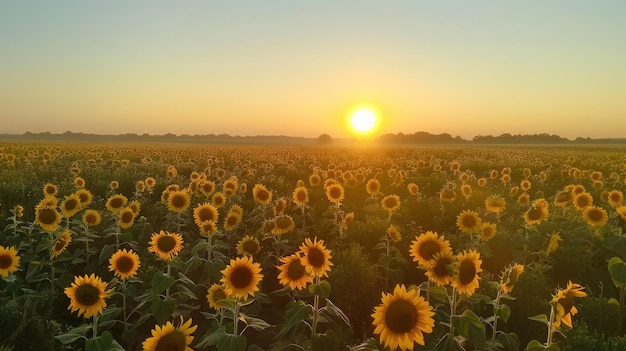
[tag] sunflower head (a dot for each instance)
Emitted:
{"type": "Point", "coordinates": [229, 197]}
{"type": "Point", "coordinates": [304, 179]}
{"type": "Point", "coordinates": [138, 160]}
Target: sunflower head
{"type": "Point", "coordinates": [595, 216]}
{"type": "Point", "coordinates": [70, 206]}
{"type": "Point", "coordinates": [248, 246]}
{"type": "Point", "coordinates": [48, 218]}
{"type": "Point", "coordinates": [468, 222]}
{"type": "Point", "coordinates": [372, 186]}
{"type": "Point", "coordinates": [241, 277]}
{"type": "Point", "coordinates": [441, 268]}
{"type": "Point", "coordinates": [292, 272]}
{"type": "Point", "coordinates": [168, 337]}
{"type": "Point", "coordinates": [124, 264]}
{"type": "Point", "coordinates": [61, 243]}
{"type": "Point", "coordinates": [178, 201]}
{"type": "Point", "coordinates": [510, 277]}
{"type": "Point", "coordinates": [487, 231]}
{"type": "Point", "coordinates": [316, 257]}
{"type": "Point", "coordinates": [335, 193]}
{"type": "Point", "coordinates": [563, 301]}
{"type": "Point", "coordinates": [261, 195]}
{"type": "Point", "coordinates": [283, 224]}
{"type": "Point", "coordinates": [85, 197]}
{"type": "Point", "coordinates": [205, 212]}
{"type": "Point", "coordinates": [91, 218]}
{"type": "Point", "coordinates": [126, 217]}
{"type": "Point", "coordinates": [466, 272]}
{"type": "Point", "coordinates": [116, 202]}
{"type": "Point", "coordinates": [87, 294]}
{"type": "Point", "coordinates": [393, 233]}
{"type": "Point", "coordinates": [216, 293]}
{"type": "Point", "coordinates": [426, 246]}
{"type": "Point", "coordinates": [166, 245]}
{"type": "Point", "coordinates": [390, 203]}
{"type": "Point", "coordinates": [9, 260]}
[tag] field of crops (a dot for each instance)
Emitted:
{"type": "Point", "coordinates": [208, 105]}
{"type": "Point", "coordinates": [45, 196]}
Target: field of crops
{"type": "Point", "coordinates": [189, 247]}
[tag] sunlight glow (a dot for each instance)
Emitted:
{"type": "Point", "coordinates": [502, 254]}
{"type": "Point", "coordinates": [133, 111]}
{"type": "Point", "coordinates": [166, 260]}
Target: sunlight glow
{"type": "Point", "coordinates": [363, 121]}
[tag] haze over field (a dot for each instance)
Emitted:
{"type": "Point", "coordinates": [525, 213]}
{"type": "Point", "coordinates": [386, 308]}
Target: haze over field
{"type": "Point", "coordinates": [300, 69]}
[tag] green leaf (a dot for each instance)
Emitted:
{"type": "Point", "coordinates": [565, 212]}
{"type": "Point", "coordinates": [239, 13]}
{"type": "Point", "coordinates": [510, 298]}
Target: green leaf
{"type": "Point", "coordinates": [295, 313]}
{"type": "Point", "coordinates": [510, 341]}
{"type": "Point", "coordinates": [446, 343]}
{"type": "Point", "coordinates": [104, 342]}
{"type": "Point", "coordinates": [438, 292]}
{"type": "Point", "coordinates": [336, 311]}
{"type": "Point", "coordinates": [535, 345]}
{"type": "Point", "coordinates": [325, 342]}
{"type": "Point", "coordinates": [540, 318]}
{"type": "Point", "coordinates": [254, 323]}
{"type": "Point", "coordinates": [396, 276]}
{"type": "Point", "coordinates": [162, 309]}
{"type": "Point", "coordinates": [160, 282]}
{"type": "Point", "coordinates": [232, 342]}
{"type": "Point", "coordinates": [617, 269]}
{"type": "Point", "coordinates": [504, 312]}
{"type": "Point", "coordinates": [470, 327]}
{"type": "Point", "coordinates": [74, 334]}
{"type": "Point", "coordinates": [322, 289]}
{"type": "Point", "coordinates": [105, 253]}
{"type": "Point", "coordinates": [380, 245]}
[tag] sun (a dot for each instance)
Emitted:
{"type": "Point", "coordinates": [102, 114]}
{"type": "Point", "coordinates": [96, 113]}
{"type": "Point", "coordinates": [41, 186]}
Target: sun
{"type": "Point", "coordinates": [363, 121]}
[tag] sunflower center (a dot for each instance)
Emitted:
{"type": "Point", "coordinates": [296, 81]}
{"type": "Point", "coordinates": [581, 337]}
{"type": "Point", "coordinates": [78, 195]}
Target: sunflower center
{"type": "Point", "coordinates": [390, 202]}
{"type": "Point", "coordinates": [250, 247]}
{"type": "Point", "coordinates": [440, 269]}
{"type": "Point", "coordinates": [91, 219]}
{"type": "Point", "coordinates": [469, 221]}
{"type": "Point", "coordinates": [127, 217]}
{"type": "Point", "coordinates": [295, 270]}
{"type": "Point", "coordinates": [301, 196]}
{"type": "Point", "coordinates": [316, 257]}
{"type": "Point", "coordinates": [429, 249]}
{"type": "Point", "coordinates": [60, 244]}
{"type": "Point", "coordinates": [534, 214]}
{"type": "Point", "coordinates": [262, 195]}
{"type": "Point", "coordinates": [166, 244]}
{"type": "Point", "coordinates": [595, 215]}
{"type": "Point", "coordinates": [241, 277]}
{"type": "Point", "coordinates": [283, 223]}
{"type": "Point", "coordinates": [206, 214]}
{"type": "Point", "coordinates": [232, 220]}
{"type": "Point", "coordinates": [83, 197]}
{"type": "Point", "coordinates": [70, 204]}
{"type": "Point", "coordinates": [219, 294]}
{"type": "Point", "coordinates": [401, 317]}
{"type": "Point", "coordinates": [467, 272]}
{"type": "Point", "coordinates": [87, 295]}
{"type": "Point", "coordinates": [335, 193]}
{"type": "Point", "coordinates": [567, 302]}
{"type": "Point", "coordinates": [50, 190]}
{"type": "Point", "coordinates": [47, 216]}
{"type": "Point", "coordinates": [179, 201]}
{"type": "Point", "coordinates": [116, 202]}
{"type": "Point", "coordinates": [5, 261]}
{"type": "Point", "coordinates": [124, 264]}
{"type": "Point", "coordinates": [582, 201]}
{"type": "Point", "coordinates": [174, 341]}
{"type": "Point", "coordinates": [218, 200]}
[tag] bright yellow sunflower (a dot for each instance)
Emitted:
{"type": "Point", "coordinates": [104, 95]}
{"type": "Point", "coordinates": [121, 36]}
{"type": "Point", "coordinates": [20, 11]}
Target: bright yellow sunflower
{"type": "Point", "coordinates": [216, 293]}
{"type": "Point", "coordinates": [426, 246]}
{"type": "Point", "coordinates": [168, 337]}
{"type": "Point", "coordinates": [621, 211]}
{"type": "Point", "coordinates": [218, 199]}
{"type": "Point", "coordinates": [583, 200]}
{"type": "Point", "coordinates": [205, 212]}
{"type": "Point", "coordinates": [48, 218]}
{"type": "Point", "coordinates": [552, 244]}
{"type": "Point", "coordinates": [237, 209]}
{"type": "Point", "coordinates": [87, 294]}
{"type": "Point", "coordinates": [124, 264]}
{"type": "Point", "coordinates": [510, 277]}
{"type": "Point", "coordinates": [495, 204]}
{"type": "Point", "coordinates": [372, 186]}
{"type": "Point", "coordinates": [241, 277]}
{"type": "Point", "coordinates": [50, 189]}
{"type": "Point", "coordinates": [9, 260]}
{"type": "Point", "coordinates": [79, 182]}
{"type": "Point", "coordinates": [390, 203]}
{"type": "Point", "coordinates": [61, 243]}
{"type": "Point", "coordinates": [335, 193]}
{"type": "Point", "coordinates": [441, 268]}
{"type": "Point", "coordinates": [126, 217]}
{"type": "Point", "coordinates": [402, 319]}
{"type": "Point", "coordinates": [536, 214]}
{"type": "Point", "coordinates": [468, 222]}
{"type": "Point", "coordinates": [116, 202]}
{"type": "Point", "coordinates": [207, 228]}
{"type": "Point", "coordinates": [292, 272]}
{"type": "Point", "coordinates": [91, 218]}
{"type": "Point", "coordinates": [248, 246]}
{"type": "Point", "coordinates": [207, 187]}
{"type": "Point", "coordinates": [70, 206]}
{"type": "Point", "coordinates": [231, 221]}
{"type": "Point", "coordinates": [487, 231]}
{"type": "Point", "coordinates": [283, 224]}
{"type": "Point", "coordinates": [595, 216]}
{"type": "Point", "coordinates": [261, 195]}
{"type": "Point", "coordinates": [564, 303]}
{"type": "Point", "coordinates": [166, 245]}
{"type": "Point", "coordinates": [178, 201]}
{"type": "Point", "coordinates": [315, 180]}
{"type": "Point", "coordinates": [466, 272]}
{"type": "Point", "coordinates": [316, 257]}
{"type": "Point", "coordinates": [615, 198]}
{"type": "Point", "coordinates": [84, 196]}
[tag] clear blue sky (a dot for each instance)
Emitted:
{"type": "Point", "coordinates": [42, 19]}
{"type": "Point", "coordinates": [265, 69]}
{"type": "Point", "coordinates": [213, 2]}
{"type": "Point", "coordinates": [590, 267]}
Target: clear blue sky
{"type": "Point", "coordinates": [296, 68]}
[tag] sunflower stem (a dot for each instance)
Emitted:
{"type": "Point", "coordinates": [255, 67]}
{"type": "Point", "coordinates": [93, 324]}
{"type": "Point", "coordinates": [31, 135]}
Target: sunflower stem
{"type": "Point", "coordinates": [387, 264]}
{"type": "Point", "coordinates": [95, 326]}
{"type": "Point", "coordinates": [453, 300]}
{"type": "Point", "coordinates": [236, 316]}
{"type": "Point", "coordinates": [169, 271]}
{"type": "Point", "coordinates": [209, 247]}
{"type": "Point", "coordinates": [316, 303]}
{"type": "Point", "coordinates": [550, 324]}
{"type": "Point", "coordinates": [620, 311]}
{"type": "Point", "coordinates": [124, 305]}
{"type": "Point", "coordinates": [495, 316]}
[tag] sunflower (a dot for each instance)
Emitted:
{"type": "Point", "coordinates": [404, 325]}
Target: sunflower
{"type": "Point", "coordinates": [372, 186]}
{"type": "Point", "coordinates": [205, 212]}
{"type": "Point", "coordinates": [300, 196]}
{"type": "Point", "coordinates": [48, 218]}
{"type": "Point", "coordinates": [316, 257]}
{"type": "Point", "coordinates": [315, 180]}
{"type": "Point", "coordinates": [70, 206]}
{"type": "Point", "coordinates": [61, 243]}
{"type": "Point", "coordinates": [390, 203]}
{"type": "Point", "coordinates": [231, 221]}
{"type": "Point", "coordinates": [487, 231]}
{"type": "Point", "coordinates": [248, 246]}
{"type": "Point", "coordinates": [564, 302]}
{"type": "Point", "coordinates": [268, 226]}
{"type": "Point", "coordinates": [207, 187]}
{"type": "Point", "coordinates": [553, 242]}
{"type": "Point", "coordinates": [466, 272]}
{"type": "Point", "coordinates": [495, 204]}
{"type": "Point", "coordinates": [292, 272]}
{"type": "Point", "coordinates": [261, 195]}
{"type": "Point", "coordinates": [280, 207]}
{"type": "Point", "coordinates": [615, 198]}
{"type": "Point", "coordinates": [18, 211]}
{"type": "Point", "coordinates": [335, 193]}
{"type": "Point", "coordinates": [48, 201]}
{"type": "Point", "coordinates": [583, 200]}
{"type": "Point", "coordinates": [150, 182]}
{"type": "Point", "coordinates": [91, 218]}
{"type": "Point", "coordinates": [166, 245]}
{"type": "Point", "coordinates": [116, 202]}
{"type": "Point", "coordinates": [393, 233]}
{"type": "Point", "coordinates": [402, 319]}
{"type": "Point", "coordinates": [237, 209]}
{"type": "Point", "coordinates": [114, 185]}
{"type": "Point", "coordinates": [9, 260]}
{"type": "Point", "coordinates": [216, 293]}
{"type": "Point", "coordinates": [168, 337]}
{"type": "Point", "coordinates": [79, 182]}
{"type": "Point", "coordinates": [412, 188]}
{"type": "Point", "coordinates": [447, 195]}
{"type": "Point", "coordinates": [87, 295]}
{"type": "Point", "coordinates": [241, 277]}
{"type": "Point", "coordinates": [440, 268]}
{"type": "Point", "coordinates": [347, 221]}
{"type": "Point", "coordinates": [140, 186]}
{"type": "Point", "coordinates": [50, 189]}
{"type": "Point", "coordinates": [218, 199]}
{"type": "Point", "coordinates": [621, 211]}
{"type": "Point", "coordinates": [207, 228]}
{"type": "Point", "coordinates": [84, 196]}
{"type": "Point", "coordinates": [466, 191]}
{"type": "Point", "coordinates": [426, 246]}
{"type": "Point", "coordinates": [283, 224]}
{"type": "Point", "coordinates": [135, 206]}
{"type": "Point", "coordinates": [126, 217]}
{"type": "Point", "coordinates": [468, 222]}
{"type": "Point", "coordinates": [562, 198]}
{"type": "Point", "coordinates": [124, 264]}
{"type": "Point", "coordinates": [482, 182]}
{"type": "Point", "coordinates": [525, 185]}
{"type": "Point", "coordinates": [513, 191]}
{"type": "Point", "coordinates": [510, 277]}
{"type": "Point", "coordinates": [536, 214]}
{"type": "Point", "coordinates": [178, 201]}
{"type": "Point", "coordinates": [523, 199]}
{"type": "Point", "coordinates": [595, 216]}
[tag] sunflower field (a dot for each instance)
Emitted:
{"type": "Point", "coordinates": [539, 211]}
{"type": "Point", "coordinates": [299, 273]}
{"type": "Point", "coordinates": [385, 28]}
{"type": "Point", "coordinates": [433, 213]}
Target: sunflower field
{"type": "Point", "coordinates": [196, 247]}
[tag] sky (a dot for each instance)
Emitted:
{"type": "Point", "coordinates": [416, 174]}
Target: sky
{"type": "Point", "coordinates": [297, 68]}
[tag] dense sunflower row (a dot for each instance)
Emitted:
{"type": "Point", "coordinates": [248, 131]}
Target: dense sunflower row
{"type": "Point", "coordinates": [188, 247]}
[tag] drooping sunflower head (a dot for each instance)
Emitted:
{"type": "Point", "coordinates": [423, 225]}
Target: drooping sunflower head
{"type": "Point", "coordinates": [495, 204]}
{"type": "Point", "coordinates": [124, 264]}
{"type": "Point", "coordinates": [248, 246]}
{"type": "Point", "coordinates": [390, 203]}
{"type": "Point", "coordinates": [70, 206]}
{"type": "Point", "coordinates": [116, 202]}
{"type": "Point", "coordinates": [9, 260]}
{"type": "Point", "coordinates": [468, 265]}
{"type": "Point", "coordinates": [216, 293]}
{"type": "Point", "coordinates": [441, 268]}
{"type": "Point", "coordinates": [510, 276]}
{"type": "Point", "coordinates": [241, 277]}
{"type": "Point", "coordinates": [18, 211]}
{"type": "Point", "coordinates": [280, 206]}
{"type": "Point", "coordinates": [231, 221]}
{"type": "Point", "coordinates": [87, 294]}
{"type": "Point", "coordinates": [261, 195]}
{"type": "Point", "coordinates": [61, 243]}
{"type": "Point", "coordinates": [283, 224]}
{"type": "Point", "coordinates": [393, 233]}
{"type": "Point", "coordinates": [402, 319]}
{"type": "Point", "coordinates": [178, 201]}
{"type": "Point", "coordinates": [513, 191]}
{"type": "Point", "coordinates": [166, 245]}
{"type": "Point", "coordinates": [563, 300]}
{"type": "Point", "coordinates": [316, 257]}
{"type": "Point", "coordinates": [562, 198]}
{"type": "Point", "coordinates": [292, 272]}
{"type": "Point", "coordinates": [335, 193]}
{"type": "Point", "coordinates": [468, 222]}
{"type": "Point", "coordinates": [168, 337]}
{"type": "Point", "coordinates": [91, 218]}
{"type": "Point", "coordinates": [372, 186]}
{"type": "Point", "coordinates": [347, 221]}
{"type": "Point", "coordinates": [426, 246]}
{"type": "Point", "coordinates": [552, 243]}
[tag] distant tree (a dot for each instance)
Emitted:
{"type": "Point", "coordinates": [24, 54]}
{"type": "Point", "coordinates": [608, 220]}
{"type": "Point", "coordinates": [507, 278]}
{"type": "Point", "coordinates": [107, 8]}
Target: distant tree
{"type": "Point", "coordinates": [324, 139]}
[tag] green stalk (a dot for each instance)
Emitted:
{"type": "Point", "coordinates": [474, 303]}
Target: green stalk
{"type": "Point", "coordinates": [495, 317]}
{"type": "Point", "coordinates": [236, 316]}
{"type": "Point", "coordinates": [550, 323]}
{"type": "Point", "coordinates": [316, 303]}
{"type": "Point", "coordinates": [453, 301]}
{"type": "Point", "coordinates": [620, 311]}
